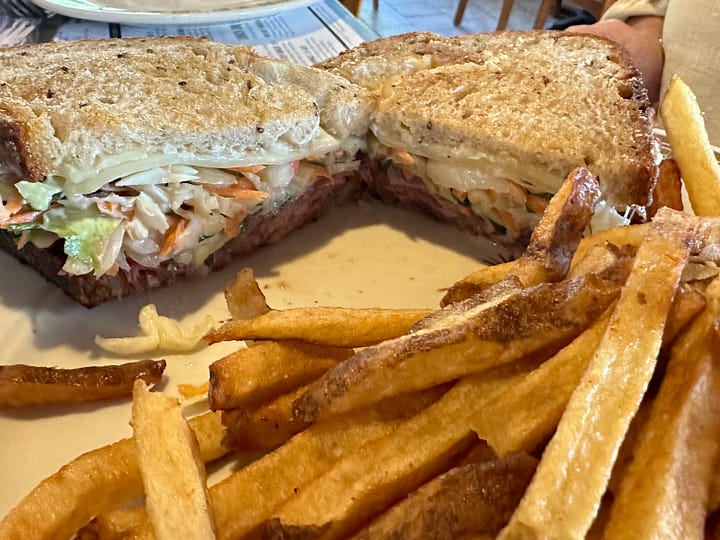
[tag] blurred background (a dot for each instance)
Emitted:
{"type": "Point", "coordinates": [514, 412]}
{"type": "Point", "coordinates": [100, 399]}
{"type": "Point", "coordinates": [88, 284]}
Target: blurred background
{"type": "Point", "coordinates": [388, 17]}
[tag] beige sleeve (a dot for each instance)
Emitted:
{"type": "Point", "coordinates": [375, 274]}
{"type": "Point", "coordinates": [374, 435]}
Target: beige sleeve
{"type": "Point", "coordinates": [624, 9]}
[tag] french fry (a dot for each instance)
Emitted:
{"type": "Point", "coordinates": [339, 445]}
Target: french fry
{"type": "Point", "coordinates": [265, 427]}
{"type": "Point", "coordinates": [172, 472]}
{"type": "Point", "coordinates": [210, 433]}
{"type": "Point", "coordinates": [553, 241]}
{"type": "Point", "coordinates": [691, 149]}
{"type": "Point", "coordinates": [333, 326]}
{"type": "Point", "coordinates": [22, 385]}
{"type": "Point", "coordinates": [479, 280]}
{"type": "Point", "coordinates": [565, 493]}
{"type": "Point", "coordinates": [627, 236]}
{"type": "Point", "coordinates": [607, 260]}
{"type": "Point", "coordinates": [268, 369]}
{"type": "Point", "coordinates": [243, 296]}
{"type": "Point", "coordinates": [93, 484]}
{"type": "Point", "coordinates": [524, 416]}
{"type": "Point", "coordinates": [244, 501]}
{"type": "Point", "coordinates": [476, 337]}
{"type": "Point", "coordinates": [127, 523]}
{"type": "Point", "coordinates": [90, 484]}
{"type": "Point", "coordinates": [365, 482]}
{"type": "Point", "coordinates": [668, 189]}
{"type": "Point", "coordinates": [664, 491]}
{"type": "Point", "coordinates": [477, 498]}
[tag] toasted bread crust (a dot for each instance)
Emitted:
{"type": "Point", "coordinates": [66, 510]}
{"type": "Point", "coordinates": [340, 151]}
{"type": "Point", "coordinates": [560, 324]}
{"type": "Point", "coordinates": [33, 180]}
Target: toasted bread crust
{"type": "Point", "coordinates": [546, 99]}
{"type": "Point", "coordinates": [14, 145]}
{"type": "Point", "coordinates": [71, 103]}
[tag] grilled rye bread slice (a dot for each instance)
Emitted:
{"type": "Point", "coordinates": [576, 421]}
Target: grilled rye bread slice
{"type": "Point", "coordinates": [78, 116]}
{"type": "Point", "coordinates": [475, 110]}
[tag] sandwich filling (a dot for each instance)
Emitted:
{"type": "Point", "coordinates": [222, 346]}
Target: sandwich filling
{"type": "Point", "coordinates": [146, 210]}
{"type": "Point", "coordinates": [513, 203]}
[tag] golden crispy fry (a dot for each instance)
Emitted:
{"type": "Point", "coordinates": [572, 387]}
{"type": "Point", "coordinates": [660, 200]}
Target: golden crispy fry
{"type": "Point", "coordinates": [623, 237]}
{"type": "Point", "coordinates": [273, 423]}
{"type": "Point", "coordinates": [90, 484]}
{"type": "Point", "coordinates": [32, 385]}
{"type": "Point", "coordinates": [94, 483]}
{"type": "Point", "coordinates": [664, 491]}
{"type": "Point", "coordinates": [685, 127]}
{"type": "Point", "coordinates": [523, 417]}
{"type": "Point", "coordinates": [476, 335]}
{"type": "Point", "coordinates": [266, 427]}
{"type": "Point", "coordinates": [172, 472]}
{"type": "Point", "coordinates": [245, 500]}
{"type": "Point", "coordinates": [481, 279]}
{"type": "Point", "coordinates": [553, 241]}
{"type": "Point", "coordinates": [133, 523]}
{"type": "Point", "coordinates": [565, 493]}
{"type": "Point", "coordinates": [606, 260]}
{"type": "Point", "coordinates": [367, 480]}
{"type": "Point", "coordinates": [260, 373]}
{"type": "Point", "coordinates": [668, 189]}
{"type": "Point", "coordinates": [244, 298]}
{"type": "Point", "coordinates": [126, 523]}
{"type": "Point", "coordinates": [476, 498]}
{"type": "Point", "coordinates": [686, 305]}
{"type": "Point", "coordinates": [526, 414]}
{"type": "Point", "coordinates": [333, 326]}
{"type": "Point", "coordinates": [209, 432]}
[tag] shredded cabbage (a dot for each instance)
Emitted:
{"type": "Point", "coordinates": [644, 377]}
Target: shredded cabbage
{"type": "Point", "coordinates": [39, 195]}
{"type": "Point", "coordinates": [158, 333]}
{"type": "Point", "coordinates": [178, 212]}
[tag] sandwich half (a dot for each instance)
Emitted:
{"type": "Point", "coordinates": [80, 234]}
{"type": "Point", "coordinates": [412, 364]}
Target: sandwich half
{"type": "Point", "coordinates": [128, 164]}
{"type": "Point", "coordinates": [482, 129]}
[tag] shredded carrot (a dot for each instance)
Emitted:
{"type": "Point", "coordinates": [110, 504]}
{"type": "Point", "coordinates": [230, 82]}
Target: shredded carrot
{"type": "Point", "coordinates": [536, 204]}
{"type": "Point", "coordinates": [509, 221]}
{"type": "Point", "coordinates": [237, 191]}
{"type": "Point", "coordinates": [232, 224]}
{"type": "Point", "coordinates": [24, 217]}
{"type": "Point", "coordinates": [113, 270]}
{"type": "Point", "coordinates": [317, 171]}
{"type": "Point", "coordinates": [173, 236]}
{"type": "Point", "coordinates": [14, 205]}
{"type": "Point", "coordinates": [109, 207]}
{"type": "Point", "coordinates": [401, 156]}
{"type": "Point", "coordinates": [254, 169]}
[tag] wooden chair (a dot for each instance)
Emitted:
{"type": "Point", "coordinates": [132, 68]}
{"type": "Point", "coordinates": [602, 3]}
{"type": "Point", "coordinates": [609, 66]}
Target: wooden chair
{"type": "Point", "coordinates": [353, 6]}
{"type": "Point", "coordinates": [596, 7]}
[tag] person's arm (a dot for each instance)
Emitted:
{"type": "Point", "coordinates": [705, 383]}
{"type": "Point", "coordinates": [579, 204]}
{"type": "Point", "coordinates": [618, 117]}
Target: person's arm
{"type": "Point", "coordinates": [642, 37]}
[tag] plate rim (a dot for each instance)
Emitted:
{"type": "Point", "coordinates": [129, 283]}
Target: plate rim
{"type": "Point", "coordinates": [91, 10]}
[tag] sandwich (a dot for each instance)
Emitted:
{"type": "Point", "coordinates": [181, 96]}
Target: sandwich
{"type": "Point", "coordinates": [128, 164]}
{"type": "Point", "coordinates": [482, 129]}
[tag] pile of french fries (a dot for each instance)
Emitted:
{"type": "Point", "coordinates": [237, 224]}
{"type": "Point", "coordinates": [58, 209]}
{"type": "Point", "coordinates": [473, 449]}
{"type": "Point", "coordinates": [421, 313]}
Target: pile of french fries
{"type": "Point", "coordinates": [571, 393]}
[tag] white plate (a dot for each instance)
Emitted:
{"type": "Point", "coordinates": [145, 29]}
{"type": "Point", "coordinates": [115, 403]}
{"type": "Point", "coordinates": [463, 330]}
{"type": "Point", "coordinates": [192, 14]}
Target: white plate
{"type": "Point", "coordinates": [184, 12]}
{"type": "Point", "coordinates": [359, 255]}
